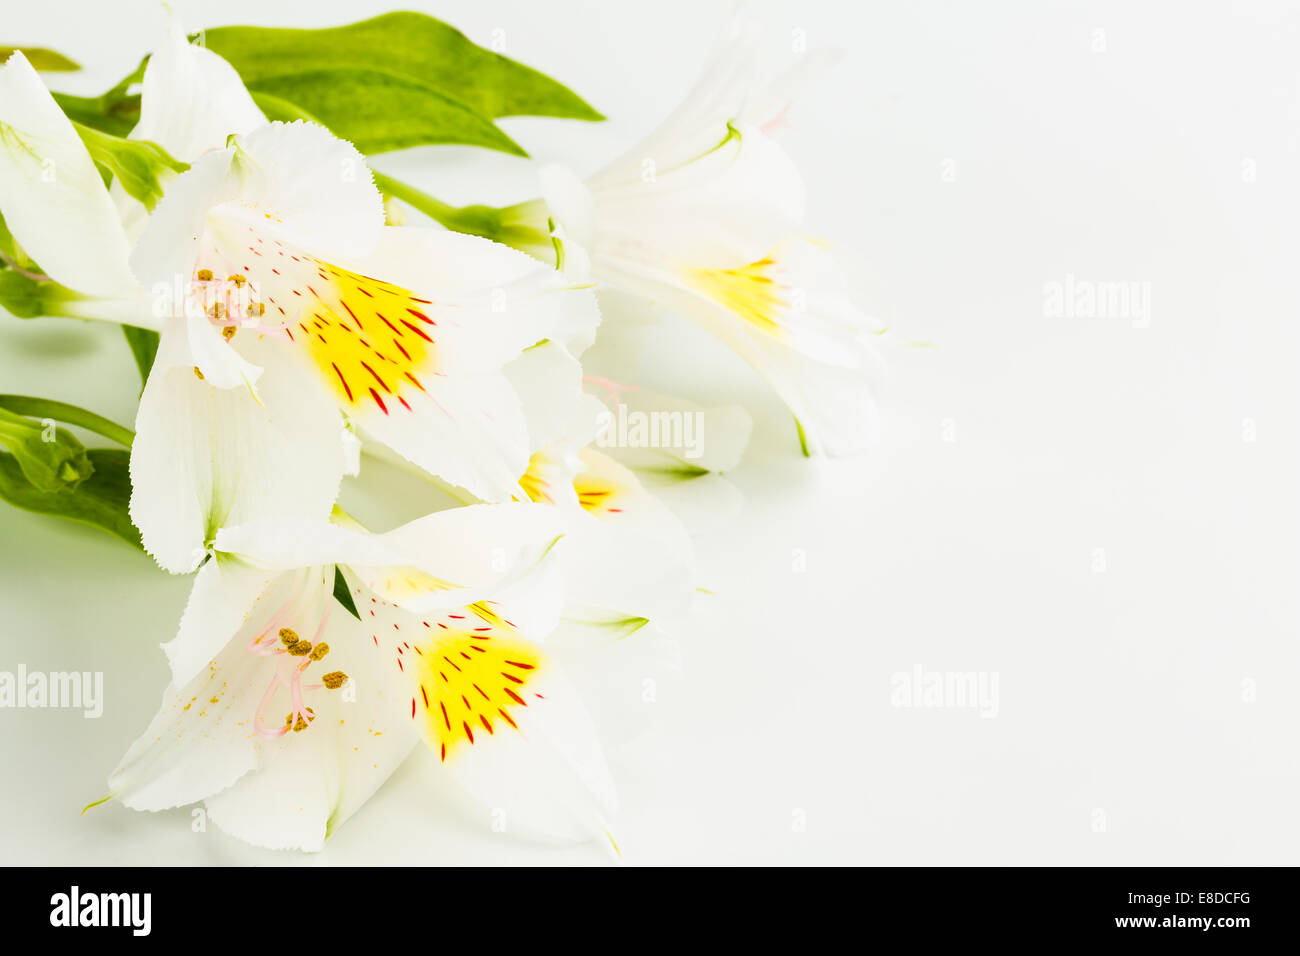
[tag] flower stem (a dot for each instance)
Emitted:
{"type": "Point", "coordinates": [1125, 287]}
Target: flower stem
{"type": "Point", "coordinates": [511, 225]}
{"type": "Point", "coordinates": [68, 414]}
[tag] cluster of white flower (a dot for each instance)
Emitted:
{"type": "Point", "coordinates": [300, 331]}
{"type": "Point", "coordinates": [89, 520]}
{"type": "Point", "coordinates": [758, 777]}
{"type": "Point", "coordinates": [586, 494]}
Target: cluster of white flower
{"type": "Point", "coordinates": [300, 329]}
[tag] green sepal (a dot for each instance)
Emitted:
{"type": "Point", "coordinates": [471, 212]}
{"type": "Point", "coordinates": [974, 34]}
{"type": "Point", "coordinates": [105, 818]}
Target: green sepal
{"type": "Point", "coordinates": [102, 500]}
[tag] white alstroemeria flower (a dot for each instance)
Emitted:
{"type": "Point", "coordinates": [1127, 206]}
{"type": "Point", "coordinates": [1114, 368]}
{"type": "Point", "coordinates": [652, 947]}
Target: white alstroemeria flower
{"type": "Point", "coordinates": [51, 194]}
{"type": "Point", "coordinates": [705, 216]}
{"type": "Point", "coordinates": [286, 712]}
{"type": "Point", "coordinates": [288, 301]}
{"type": "Point", "coordinates": [284, 268]}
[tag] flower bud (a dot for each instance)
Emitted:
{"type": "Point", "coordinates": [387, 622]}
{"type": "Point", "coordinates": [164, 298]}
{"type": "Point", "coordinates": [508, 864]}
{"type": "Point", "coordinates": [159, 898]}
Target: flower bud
{"type": "Point", "coordinates": [51, 458]}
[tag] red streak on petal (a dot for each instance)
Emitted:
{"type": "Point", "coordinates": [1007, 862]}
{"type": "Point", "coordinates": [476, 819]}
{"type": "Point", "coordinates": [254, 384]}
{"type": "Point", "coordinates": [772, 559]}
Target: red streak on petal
{"type": "Point", "coordinates": [344, 381]}
{"type": "Point", "coordinates": [417, 331]}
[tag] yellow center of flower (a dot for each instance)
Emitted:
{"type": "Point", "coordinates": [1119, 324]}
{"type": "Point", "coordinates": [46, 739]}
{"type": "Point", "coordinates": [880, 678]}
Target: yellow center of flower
{"type": "Point", "coordinates": [368, 337]}
{"type": "Point", "coordinates": [751, 292]}
{"type": "Point", "coordinates": [471, 679]}
{"type": "Point", "coordinates": [535, 482]}
{"type": "Point", "coordinates": [597, 495]}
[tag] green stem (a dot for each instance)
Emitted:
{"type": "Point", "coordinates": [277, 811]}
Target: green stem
{"type": "Point", "coordinates": [510, 225]}
{"type": "Point", "coordinates": [69, 415]}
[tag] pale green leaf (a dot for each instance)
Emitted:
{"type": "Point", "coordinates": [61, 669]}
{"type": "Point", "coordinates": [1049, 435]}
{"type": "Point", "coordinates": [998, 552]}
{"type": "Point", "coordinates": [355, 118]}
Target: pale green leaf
{"type": "Point", "coordinates": [408, 44]}
{"type": "Point", "coordinates": [378, 111]}
{"type": "Point", "coordinates": [42, 59]}
{"type": "Point", "coordinates": [144, 348]}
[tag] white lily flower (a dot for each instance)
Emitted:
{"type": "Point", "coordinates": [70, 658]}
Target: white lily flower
{"type": "Point", "coordinates": [274, 256]}
{"type": "Point", "coordinates": [286, 713]}
{"type": "Point", "coordinates": [51, 194]}
{"type": "Point", "coordinates": [705, 216]}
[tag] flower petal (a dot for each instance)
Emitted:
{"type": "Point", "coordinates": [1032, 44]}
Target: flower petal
{"type": "Point", "coordinates": [226, 593]}
{"type": "Point", "coordinates": [191, 99]}
{"type": "Point", "coordinates": [458, 556]}
{"type": "Point", "coordinates": [501, 718]}
{"type": "Point", "coordinates": [628, 553]}
{"type": "Point", "coordinates": [548, 381]}
{"type": "Point", "coordinates": [205, 457]}
{"type": "Point", "coordinates": [201, 741]}
{"type": "Point", "coordinates": [308, 188]}
{"type": "Point", "coordinates": [318, 778]}
{"type": "Point", "coordinates": [51, 195]}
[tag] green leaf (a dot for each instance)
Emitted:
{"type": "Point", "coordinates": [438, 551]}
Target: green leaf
{"type": "Point", "coordinates": [343, 595]}
{"type": "Point", "coordinates": [10, 251]}
{"type": "Point", "coordinates": [103, 499]}
{"type": "Point", "coordinates": [117, 117]}
{"type": "Point", "coordinates": [411, 45]}
{"type": "Point", "coordinates": [144, 347]}
{"type": "Point", "coordinates": [379, 111]}
{"type": "Point", "coordinates": [140, 166]}
{"type": "Point", "coordinates": [115, 111]}
{"type": "Point", "coordinates": [68, 414]}
{"type": "Point", "coordinates": [22, 296]}
{"type": "Point", "coordinates": [42, 59]}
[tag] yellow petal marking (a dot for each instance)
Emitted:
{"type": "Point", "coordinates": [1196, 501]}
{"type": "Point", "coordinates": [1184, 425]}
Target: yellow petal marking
{"type": "Point", "coordinates": [474, 675]}
{"type": "Point", "coordinates": [750, 292]}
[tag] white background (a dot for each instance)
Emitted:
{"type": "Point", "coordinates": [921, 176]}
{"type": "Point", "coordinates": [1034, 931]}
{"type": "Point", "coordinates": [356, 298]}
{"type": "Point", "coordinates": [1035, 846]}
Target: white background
{"type": "Point", "coordinates": [1147, 712]}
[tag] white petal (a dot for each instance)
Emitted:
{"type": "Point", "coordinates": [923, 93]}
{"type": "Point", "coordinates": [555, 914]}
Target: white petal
{"type": "Point", "coordinates": [500, 716]}
{"type": "Point", "coordinates": [51, 195]}
{"type": "Point", "coordinates": [468, 429]}
{"type": "Point", "coordinates": [289, 790]}
{"type": "Point", "coordinates": [201, 741]}
{"type": "Point", "coordinates": [168, 246]}
{"type": "Point", "coordinates": [283, 542]}
{"type": "Point", "coordinates": [628, 553]}
{"type": "Point", "coordinates": [654, 431]}
{"type": "Point", "coordinates": [455, 557]}
{"type": "Point", "coordinates": [726, 208]}
{"type": "Point", "coordinates": [319, 777]}
{"type": "Point", "coordinates": [226, 593]}
{"type": "Point", "coordinates": [836, 408]}
{"type": "Point", "coordinates": [613, 664]}
{"type": "Point", "coordinates": [550, 778]}
{"type": "Point", "coordinates": [192, 99]}
{"type": "Point", "coordinates": [205, 458]}
{"type": "Point", "coordinates": [548, 381]}
{"type": "Point", "coordinates": [307, 187]}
